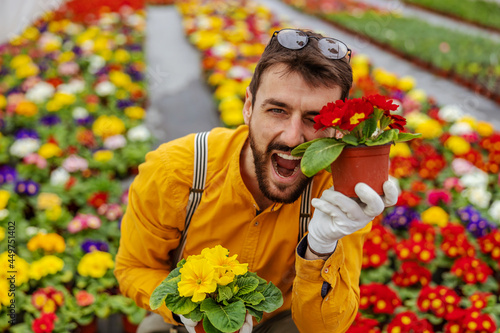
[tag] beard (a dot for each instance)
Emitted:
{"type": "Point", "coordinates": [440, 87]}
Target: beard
{"type": "Point", "coordinates": [286, 193]}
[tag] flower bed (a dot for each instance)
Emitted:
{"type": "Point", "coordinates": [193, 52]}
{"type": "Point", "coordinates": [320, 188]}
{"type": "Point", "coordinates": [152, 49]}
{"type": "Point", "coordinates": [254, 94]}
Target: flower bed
{"type": "Point", "coordinates": [446, 52]}
{"type": "Point", "coordinates": [431, 264]}
{"type": "Point", "coordinates": [481, 13]}
{"type": "Point", "coordinates": [72, 98]}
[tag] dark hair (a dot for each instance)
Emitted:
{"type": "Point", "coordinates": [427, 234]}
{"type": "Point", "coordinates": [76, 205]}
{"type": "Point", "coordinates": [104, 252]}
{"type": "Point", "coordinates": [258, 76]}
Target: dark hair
{"type": "Point", "coordinates": [309, 62]}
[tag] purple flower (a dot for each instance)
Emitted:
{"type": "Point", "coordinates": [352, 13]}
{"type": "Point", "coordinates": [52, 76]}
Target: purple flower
{"type": "Point", "coordinates": [480, 228]}
{"type": "Point", "coordinates": [50, 120]}
{"type": "Point", "coordinates": [134, 74]}
{"type": "Point", "coordinates": [123, 103]}
{"type": "Point", "coordinates": [24, 133]}
{"type": "Point", "coordinates": [102, 71]}
{"type": "Point", "coordinates": [90, 245]}
{"type": "Point", "coordinates": [401, 217]}
{"type": "Point", "coordinates": [468, 214]}
{"type": "Point", "coordinates": [134, 47]}
{"type": "Point", "coordinates": [28, 187]}
{"type": "Point", "coordinates": [84, 121]}
{"type": "Point", "coordinates": [8, 174]}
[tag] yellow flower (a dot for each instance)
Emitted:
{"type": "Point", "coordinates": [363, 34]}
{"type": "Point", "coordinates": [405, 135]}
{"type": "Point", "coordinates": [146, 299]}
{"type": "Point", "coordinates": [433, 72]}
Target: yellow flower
{"type": "Point", "coordinates": [228, 89]}
{"type": "Point", "coordinates": [49, 150]}
{"type": "Point", "coordinates": [53, 213]}
{"type": "Point", "coordinates": [4, 292]}
{"type": "Point", "coordinates": [232, 117]}
{"type": "Point", "coordinates": [436, 216]}
{"type": "Point", "coordinates": [27, 70]}
{"type": "Point", "coordinates": [430, 129]}
{"type": "Point", "coordinates": [226, 267]}
{"type": "Point", "coordinates": [484, 128]}
{"type": "Point", "coordinates": [469, 120]}
{"type": "Point", "coordinates": [66, 56]}
{"type": "Point", "coordinates": [135, 112]}
{"type": "Point", "coordinates": [60, 100]}
{"type": "Point", "coordinates": [122, 56]}
{"type": "Point", "coordinates": [457, 145]}
{"type": "Point", "coordinates": [20, 60]}
{"type": "Point", "coordinates": [31, 33]}
{"type": "Point", "coordinates": [400, 149]}
{"type": "Point", "coordinates": [95, 264]}
{"type": "Point", "coordinates": [415, 118]}
{"type": "Point", "coordinates": [21, 268]}
{"type": "Point", "coordinates": [26, 108]}
{"type": "Point", "coordinates": [216, 78]}
{"type": "Point", "coordinates": [47, 200]}
{"type": "Point", "coordinates": [417, 95]}
{"type": "Point", "coordinates": [4, 198]}
{"type": "Point", "coordinates": [47, 265]}
{"type": "Point", "coordinates": [105, 126]}
{"type": "Point", "coordinates": [103, 155]}
{"type": "Point", "coordinates": [120, 79]}
{"type": "Point", "coordinates": [2, 233]}
{"type": "Point", "coordinates": [48, 242]}
{"type": "Point", "coordinates": [385, 78]}
{"type": "Point", "coordinates": [406, 83]}
{"type": "Point", "coordinates": [197, 279]}
{"type": "Point", "coordinates": [3, 101]}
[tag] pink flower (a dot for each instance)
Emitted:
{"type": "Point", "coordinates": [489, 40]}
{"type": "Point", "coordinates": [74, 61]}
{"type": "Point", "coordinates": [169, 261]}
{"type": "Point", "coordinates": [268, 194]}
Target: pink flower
{"type": "Point", "coordinates": [124, 197]}
{"type": "Point", "coordinates": [84, 298]}
{"type": "Point", "coordinates": [36, 159]}
{"type": "Point", "coordinates": [435, 197]}
{"type": "Point", "coordinates": [114, 212]}
{"type": "Point", "coordinates": [461, 166]}
{"type": "Point", "coordinates": [93, 222]}
{"type": "Point", "coordinates": [75, 163]}
{"type": "Point", "coordinates": [115, 142]}
{"type": "Point", "coordinates": [68, 68]}
{"type": "Point", "coordinates": [75, 225]}
{"type": "Point", "coordinates": [454, 183]}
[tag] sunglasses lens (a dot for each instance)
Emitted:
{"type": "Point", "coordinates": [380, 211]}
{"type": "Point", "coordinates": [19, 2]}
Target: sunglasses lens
{"type": "Point", "coordinates": [292, 39]}
{"type": "Point", "coordinates": [332, 48]}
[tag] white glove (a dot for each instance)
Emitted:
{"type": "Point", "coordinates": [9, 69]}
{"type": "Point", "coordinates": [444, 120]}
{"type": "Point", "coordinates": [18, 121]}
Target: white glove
{"type": "Point", "coordinates": [190, 325]}
{"type": "Point", "coordinates": [337, 216]}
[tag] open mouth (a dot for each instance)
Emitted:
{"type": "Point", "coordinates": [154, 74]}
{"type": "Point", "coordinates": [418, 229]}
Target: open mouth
{"type": "Point", "coordinates": [285, 165]}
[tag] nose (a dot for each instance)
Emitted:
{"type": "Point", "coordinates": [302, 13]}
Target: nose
{"type": "Point", "coordinates": [293, 134]}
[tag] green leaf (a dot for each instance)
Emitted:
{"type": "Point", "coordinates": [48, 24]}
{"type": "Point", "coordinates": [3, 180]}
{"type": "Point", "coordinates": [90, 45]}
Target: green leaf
{"type": "Point", "coordinates": [320, 155]}
{"type": "Point", "coordinates": [208, 327]}
{"type": "Point", "coordinates": [166, 287]}
{"type": "Point", "coordinates": [225, 318]}
{"type": "Point", "coordinates": [180, 305]}
{"type": "Point", "coordinates": [252, 298]}
{"type": "Point", "coordinates": [195, 315]}
{"type": "Point", "coordinates": [407, 136]}
{"type": "Point", "coordinates": [256, 313]}
{"type": "Point", "coordinates": [369, 127]}
{"type": "Point", "coordinates": [350, 140]}
{"type": "Point", "coordinates": [262, 282]}
{"type": "Point", "coordinates": [273, 299]}
{"type": "Point", "coordinates": [246, 285]}
{"type": "Point", "coordinates": [385, 137]}
{"type": "Point", "coordinates": [181, 263]}
{"type": "Point", "coordinates": [301, 149]}
{"type": "Point", "coordinates": [224, 293]}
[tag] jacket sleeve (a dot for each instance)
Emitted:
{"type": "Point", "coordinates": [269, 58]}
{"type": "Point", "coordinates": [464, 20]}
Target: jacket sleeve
{"type": "Point", "coordinates": [151, 228]}
{"type": "Point", "coordinates": [337, 279]}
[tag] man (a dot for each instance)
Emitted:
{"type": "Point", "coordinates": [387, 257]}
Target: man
{"type": "Point", "coordinates": [251, 200]}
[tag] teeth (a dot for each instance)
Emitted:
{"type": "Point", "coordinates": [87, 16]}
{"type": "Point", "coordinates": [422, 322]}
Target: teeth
{"type": "Point", "coordinates": [275, 165]}
{"type": "Point", "coordinates": [288, 157]}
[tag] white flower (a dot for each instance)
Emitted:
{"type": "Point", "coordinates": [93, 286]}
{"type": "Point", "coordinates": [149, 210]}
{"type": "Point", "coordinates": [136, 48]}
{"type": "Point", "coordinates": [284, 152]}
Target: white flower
{"type": "Point", "coordinates": [461, 166]}
{"type": "Point", "coordinates": [460, 128]}
{"type": "Point", "coordinates": [80, 113]}
{"type": "Point", "coordinates": [115, 142]}
{"type": "Point", "coordinates": [105, 88]}
{"type": "Point", "coordinates": [494, 211]}
{"type": "Point", "coordinates": [3, 214]}
{"type": "Point", "coordinates": [73, 87]}
{"type": "Point", "coordinates": [24, 147]}
{"type": "Point", "coordinates": [59, 177]}
{"type": "Point", "coordinates": [87, 46]}
{"type": "Point", "coordinates": [451, 113]}
{"type": "Point", "coordinates": [120, 39]}
{"type": "Point", "coordinates": [239, 72]}
{"type": "Point", "coordinates": [138, 133]}
{"type": "Point", "coordinates": [75, 163]}
{"type": "Point", "coordinates": [475, 178]}
{"type": "Point", "coordinates": [399, 110]}
{"type": "Point", "coordinates": [40, 92]}
{"type": "Point", "coordinates": [135, 20]}
{"type": "Point", "coordinates": [96, 63]}
{"type": "Point", "coordinates": [478, 196]}
{"type": "Point", "coordinates": [31, 231]}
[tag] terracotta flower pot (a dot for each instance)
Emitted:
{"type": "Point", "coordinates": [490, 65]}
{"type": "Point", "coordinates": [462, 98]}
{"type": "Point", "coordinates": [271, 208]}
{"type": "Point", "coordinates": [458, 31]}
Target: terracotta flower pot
{"type": "Point", "coordinates": [199, 328]}
{"type": "Point", "coordinates": [89, 328]}
{"type": "Point", "coordinates": [128, 327]}
{"type": "Point", "coordinates": [363, 164]}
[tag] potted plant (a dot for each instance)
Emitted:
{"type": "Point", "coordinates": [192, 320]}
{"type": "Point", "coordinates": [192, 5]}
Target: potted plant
{"type": "Point", "coordinates": [362, 130]}
{"type": "Point", "coordinates": [226, 293]}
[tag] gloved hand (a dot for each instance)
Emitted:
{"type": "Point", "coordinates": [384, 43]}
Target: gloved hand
{"type": "Point", "coordinates": [337, 216]}
{"type": "Point", "coordinates": [190, 325]}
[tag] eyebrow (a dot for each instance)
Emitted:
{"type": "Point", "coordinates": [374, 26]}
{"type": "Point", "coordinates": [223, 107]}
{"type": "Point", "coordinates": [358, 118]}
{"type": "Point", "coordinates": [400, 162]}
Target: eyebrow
{"type": "Point", "coordinates": [281, 104]}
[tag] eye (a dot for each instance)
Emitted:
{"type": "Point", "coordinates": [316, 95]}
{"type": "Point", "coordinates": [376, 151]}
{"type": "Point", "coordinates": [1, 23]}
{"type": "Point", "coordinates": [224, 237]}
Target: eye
{"type": "Point", "coordinates": [310, 121]}
{"type": "Point", "coordinates": [277, 111]}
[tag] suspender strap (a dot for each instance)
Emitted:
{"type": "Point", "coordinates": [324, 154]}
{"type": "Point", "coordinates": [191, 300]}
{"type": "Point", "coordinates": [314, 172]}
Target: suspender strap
{"type": "Point", "coordinates": [199, 177]}
{"type": "Point", "coordinates": [305, 211]}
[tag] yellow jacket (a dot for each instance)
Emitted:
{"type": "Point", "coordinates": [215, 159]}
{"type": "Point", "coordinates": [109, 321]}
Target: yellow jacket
{"type": "Point", "coordinates": [227, 215]}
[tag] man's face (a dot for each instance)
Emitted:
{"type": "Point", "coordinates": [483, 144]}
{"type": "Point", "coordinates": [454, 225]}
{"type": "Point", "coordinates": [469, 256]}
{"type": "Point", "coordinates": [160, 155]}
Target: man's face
{"type": "Point", "coordinates": [281, 119]}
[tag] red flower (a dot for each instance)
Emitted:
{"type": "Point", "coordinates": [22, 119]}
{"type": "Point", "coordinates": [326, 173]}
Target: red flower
{"type": "Point", "coordinates": [363, 325]}
{"type": "Point", "coordinates": [382, 102]}
{"type": "Point", "coordinates": [408, 322]}
{"type": "Point", "coordinates": [355, 111]}
{"type": "Point", "coordinates": [402, 167]}
{"type": "Point", "coordinates": [84, 298]}
{"type": "Point", "coordinates": [437, 196]}
{"type": "Point", "coordinates": [441, 301]}
{"type": "Point", "coordinates": [479, 300]}
{"type": "Point", "coordinates": [379, 296]}
{"type": "Point", "coordinates": [44, 324]}
{"type": "Point", "coordinates": [97, 199]}
{"type": "Point", "coordinates": [455, 242]}
{"type": "Point", "coordinates": [490, 244]}
{"type": "Point", "coordinates": [411, 274]}
{"type": "Point", "coordinates": [471, 270]}
{"type": "Point", "coordinates": [408, 198]}
{"type": "Point", "coordinates": [331, 115]}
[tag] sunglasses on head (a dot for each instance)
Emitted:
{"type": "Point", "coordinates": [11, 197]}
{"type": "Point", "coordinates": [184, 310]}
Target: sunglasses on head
{"type": "Point", "coordinates": [295, 40]}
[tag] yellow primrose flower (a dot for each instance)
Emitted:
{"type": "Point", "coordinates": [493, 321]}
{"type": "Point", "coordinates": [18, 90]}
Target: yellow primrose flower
{"type": "Point", "coordinates": [53, 44]}
{"type": "Point", "coordinates": [66, 56]}
{"type": "Point", "coordinates": [197, 279]}
{"type": "Point", "coordinates": [47, 200]}
{"type": "Point", "coordinates": [105, 126]}
{"type": "Point", "coordinates": [457, 145]}
{"type": "Point", "coordinates": [226, 267]}
{"type": "Point", "coordinates": [49, 150]}
{"type": "Point", "coordinates": [51, 242]}
{"type": "Point", "coordinates": [484, 128]}
{"type": "Point", "coordinates": [120, 79]}
{"type": "Point", "coordinates": [469, 120]}
{"type": "Point", "coordinates": [135, 112]}
{"type": "Point", "coordinates": [27, 70]}
{"type": "Point", "coordinates": [232, 117]}
{"type": "Point", "coordinates": [20, 60]}
{"type": "Point", "coordinates": [53, 213]}
{"type": "Point", "coordinates": [60, 100]}
{"type": "Point", "coordinates": [3, 101]}
{"type": "Point", "coordinates": [385, 78]}
{"type": "Point", "coordinates": [31, 33]}
{"type": "Point", "coordinates": [2, 233]}
{"type": "Point", "coordinates": [95, 264]}
{"type": "Point", "coordinates": [103, 155]}
{"type": "Point", "coordinates": [406, 83]}
{"type": "Point", "coordinates": [21, 268]}
{"type": "Point", "coordinates": [227, 89]}
{"type": "Point", "coordinates": [400, 149]}
{"type": "Point", "coordinates": [205, 39]}
{"type": "Point", "coordinates": [224, 65]}
{"type": "Point", "coordinates": [101, 43]}
{"type": "Point", "coordinates": [415, 118]}
{"type": "Point", "coordinates": [430, 129]}
{"type": "Point", "coordinates": [4, 292]}
{"type": "Point", "coordinates": [417, 95]}
{"type": "Point", "coordinates": [435, 216]}
{"type": "Point", "coordinates": [26, 108]}
{"type": "Point", "coordinates": [215, 78]}
{"type": "Point", "coordinates": [122, 56]}
{"type": "Point", "coordinates": [4, 198]}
